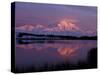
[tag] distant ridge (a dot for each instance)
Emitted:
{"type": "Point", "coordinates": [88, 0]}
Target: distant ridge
{"type": "Point", "coordinates": [27, 36]}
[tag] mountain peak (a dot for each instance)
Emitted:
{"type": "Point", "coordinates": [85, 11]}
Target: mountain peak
{"type": "Point", "coordinates": [25, 27]}
{"type": "Point", "coordinates": [67, 25]}
{"type": "Point", "coordinates": [62, 27]}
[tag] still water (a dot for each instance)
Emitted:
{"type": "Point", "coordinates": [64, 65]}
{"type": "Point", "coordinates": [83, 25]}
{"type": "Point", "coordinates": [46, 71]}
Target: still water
{"type": "Point", "coordinates": [38, 54]}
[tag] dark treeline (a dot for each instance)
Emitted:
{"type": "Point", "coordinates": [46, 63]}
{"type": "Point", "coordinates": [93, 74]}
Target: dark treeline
{"type": "Point", "coordinates": [90, 63]}
{"type": "Point", "coordinates": [24, 36]}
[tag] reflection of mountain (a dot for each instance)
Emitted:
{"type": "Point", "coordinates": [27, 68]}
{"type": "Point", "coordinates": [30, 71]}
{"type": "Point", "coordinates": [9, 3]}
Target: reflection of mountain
{"type": "Point", "coordinates": [63, 27]}
{"type": "Point", "coordinates": [67, 51]}
{"type": "Point", "coordinates": [89, 64]}
{"type": "Point", "coordinates": [62, 48]}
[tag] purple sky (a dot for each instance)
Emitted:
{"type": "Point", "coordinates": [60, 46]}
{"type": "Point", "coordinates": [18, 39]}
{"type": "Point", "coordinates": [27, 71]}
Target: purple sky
{"type": "Point", "coordinates": [45, 14]}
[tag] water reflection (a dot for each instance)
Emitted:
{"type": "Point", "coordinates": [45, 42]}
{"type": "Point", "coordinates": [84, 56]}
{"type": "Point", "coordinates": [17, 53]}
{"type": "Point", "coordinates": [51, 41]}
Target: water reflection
{"type": "Point", "coordinates": [66, 51]}
{"type": "Point", "coordinates": [39, 54]}
{"type": "Point", "coordinates": [67, 48]}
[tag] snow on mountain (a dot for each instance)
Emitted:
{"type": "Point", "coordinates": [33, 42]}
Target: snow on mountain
{"type": "Point", "coordinates": [63, 27]}
{"type": "Point", "coordinates": [25, 28]}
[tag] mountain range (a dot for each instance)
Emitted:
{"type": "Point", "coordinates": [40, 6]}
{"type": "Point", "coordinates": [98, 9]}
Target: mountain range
{"type": "Point", "coordinates": [63, 27]}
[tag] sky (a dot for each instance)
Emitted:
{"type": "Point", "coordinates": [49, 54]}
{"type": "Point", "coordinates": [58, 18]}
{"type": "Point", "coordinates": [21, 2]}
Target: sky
{"type": "Point", "coordinates": [56, 18]}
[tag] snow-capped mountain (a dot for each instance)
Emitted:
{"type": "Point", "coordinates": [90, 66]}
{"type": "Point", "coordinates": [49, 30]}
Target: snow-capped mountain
{"type": "Point", "coordinates": [63, 27]}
